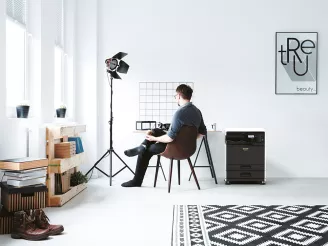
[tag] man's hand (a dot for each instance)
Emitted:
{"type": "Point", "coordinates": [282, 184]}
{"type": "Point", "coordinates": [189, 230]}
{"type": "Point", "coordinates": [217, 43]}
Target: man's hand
{"type": "Point", "coordinates": [162, 139]}
{"type": "Point", "coordinates": [151, 138]}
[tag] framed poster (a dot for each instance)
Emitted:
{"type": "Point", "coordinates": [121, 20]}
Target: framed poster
{"type": "Point", "coordinates": [296, 63]}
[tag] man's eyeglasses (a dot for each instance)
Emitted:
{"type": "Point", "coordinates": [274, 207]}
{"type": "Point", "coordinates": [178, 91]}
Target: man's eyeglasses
{"type": "Point", "coordinates": [176, 96]}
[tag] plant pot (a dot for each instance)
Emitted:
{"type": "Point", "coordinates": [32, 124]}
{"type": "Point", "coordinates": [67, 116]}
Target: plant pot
{"type": "Point", "coordinates": [22, 111]}
{"type": "Point", "coordinates": [78, 178]}
{"type": "Point", "coordinates": [61, 112]}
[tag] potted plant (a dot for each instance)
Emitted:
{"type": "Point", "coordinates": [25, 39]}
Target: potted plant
{"type": "Point", "coordinates": [61, 111]}
{"type": "Point", "coordinates": [22, 109]}
{"type": "Point", "coordinates": [78, 178]}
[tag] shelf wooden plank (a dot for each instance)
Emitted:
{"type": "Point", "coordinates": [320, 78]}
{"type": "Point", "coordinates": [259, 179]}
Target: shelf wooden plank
{"type": "Point", "coordinates": [23, 163]}
{"type": "Point", "coordinates": [55, 132]}
{"type": "Point", "coordinates": [58, 165]}
{"type": "Point", "coordinates": [60, 200]}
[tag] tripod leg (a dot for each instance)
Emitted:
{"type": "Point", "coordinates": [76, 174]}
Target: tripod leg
{"type": "Point", "coordinates": [102, 171]}
{"type": "Point", "coordinates": [95, 165]}
{"type": "Point", "coordinates": [110, 168]}
{"type": "Point", "coordinates": [201, 143]}
{"type": "Point", "coordinates": [123, 162]}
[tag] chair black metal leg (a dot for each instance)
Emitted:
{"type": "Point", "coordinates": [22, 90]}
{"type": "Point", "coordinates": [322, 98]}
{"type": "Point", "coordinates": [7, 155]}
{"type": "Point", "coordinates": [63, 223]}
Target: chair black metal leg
{"type": "Point", "coordinates": [179, 172]}
{"type": "Point", "coordinates": [160, 165]}
{"type": "Point", "coordinates": [157, 166]}
{"type": "Point", "coordinates": [193, 173]}
{"type": "Point", "coordinates": [170, 177]}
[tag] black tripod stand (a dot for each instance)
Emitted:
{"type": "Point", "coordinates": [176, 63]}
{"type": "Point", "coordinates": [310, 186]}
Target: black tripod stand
{"type": "Point", "coordinates": [111, 150]}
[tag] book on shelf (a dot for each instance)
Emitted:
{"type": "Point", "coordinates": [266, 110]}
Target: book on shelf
{"type": "Point", "coordinates": [31, 173]}
{"type": "Point", "coordinates": [62, 183]}
{"type": "Point", "coordinates": [26, 182]}
{"type": "Point", "coordinates": [78, 144]}
{"type": "Point", "coordinates": [25, 178]}
{"type": "Point", "coordinates": [65, 149]}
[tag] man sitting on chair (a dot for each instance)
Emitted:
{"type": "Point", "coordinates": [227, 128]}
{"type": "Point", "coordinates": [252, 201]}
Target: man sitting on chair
{"type": "Point", "coordinates": [157, 139]}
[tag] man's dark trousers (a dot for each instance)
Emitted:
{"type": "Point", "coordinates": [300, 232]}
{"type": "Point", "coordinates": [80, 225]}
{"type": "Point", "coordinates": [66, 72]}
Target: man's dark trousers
{"type": "Point", "coordinates": [152, 148]}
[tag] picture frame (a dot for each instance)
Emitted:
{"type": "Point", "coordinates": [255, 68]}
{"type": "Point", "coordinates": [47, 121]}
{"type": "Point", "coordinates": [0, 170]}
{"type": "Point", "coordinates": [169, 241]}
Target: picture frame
{"type": "Point", "coordinates": [145, 125]}
{"type": "Point", "coordinates": [296, 63]}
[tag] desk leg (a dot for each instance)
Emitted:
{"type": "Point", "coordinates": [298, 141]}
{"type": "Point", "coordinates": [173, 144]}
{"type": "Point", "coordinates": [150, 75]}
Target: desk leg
{"type": "Point", "coordinates": [160, 164]}
{"type": "Point", "coordinates": [197, 155]}
{"type": "Point", "coordinates": [209, 156]}
{"type": "Point", "coordinates": [157, 166]}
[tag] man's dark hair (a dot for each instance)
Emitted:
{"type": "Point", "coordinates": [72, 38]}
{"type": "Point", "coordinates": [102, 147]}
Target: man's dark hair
{"type": "Point", "coordinates": [185, 91]}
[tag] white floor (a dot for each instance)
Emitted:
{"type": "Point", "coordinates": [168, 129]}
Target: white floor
{"type": "Point", "coordinates": [104, 215]}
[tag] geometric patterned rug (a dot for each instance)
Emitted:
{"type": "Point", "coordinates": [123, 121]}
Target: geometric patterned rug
{"type": "Point", "coordinates": [232, 225]}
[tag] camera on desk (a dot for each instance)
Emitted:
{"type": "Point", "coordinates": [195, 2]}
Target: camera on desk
{"type": "Point", "coordinates": [164, 126]}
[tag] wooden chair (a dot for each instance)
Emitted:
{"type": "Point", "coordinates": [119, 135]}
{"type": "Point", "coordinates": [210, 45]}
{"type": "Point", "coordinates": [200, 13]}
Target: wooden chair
{"type": "Point", "coordinates": [182, 148]}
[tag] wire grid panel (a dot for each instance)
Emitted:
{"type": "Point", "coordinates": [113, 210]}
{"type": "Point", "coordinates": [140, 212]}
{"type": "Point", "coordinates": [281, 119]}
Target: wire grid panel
{"type": "Point", "coordinates": [157, 102]}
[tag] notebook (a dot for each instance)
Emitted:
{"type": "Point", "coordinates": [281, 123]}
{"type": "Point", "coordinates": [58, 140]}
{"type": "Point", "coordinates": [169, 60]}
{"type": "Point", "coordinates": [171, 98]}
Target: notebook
{"type": "Point", "coordinates": [32, 173]}
{"type": "Point", "coordinates": [21, 183]}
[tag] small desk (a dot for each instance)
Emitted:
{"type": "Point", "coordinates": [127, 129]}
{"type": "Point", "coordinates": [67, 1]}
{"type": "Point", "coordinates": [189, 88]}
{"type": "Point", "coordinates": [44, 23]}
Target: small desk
{"type": "Point", "coordinates": [208, 154]}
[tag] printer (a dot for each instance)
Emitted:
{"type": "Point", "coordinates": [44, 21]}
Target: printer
{"type": "Point", "coordinates": [245, 155]}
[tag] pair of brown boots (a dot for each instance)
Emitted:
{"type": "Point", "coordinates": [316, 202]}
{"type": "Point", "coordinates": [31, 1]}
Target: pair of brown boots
{"type": "Point", "coordinates": [33, 225]}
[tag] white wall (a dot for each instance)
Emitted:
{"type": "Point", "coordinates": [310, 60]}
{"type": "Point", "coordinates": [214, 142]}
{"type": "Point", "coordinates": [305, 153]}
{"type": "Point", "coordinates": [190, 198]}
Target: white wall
{"type": "Point", "coordinates": [86, 76]}
{"type": "Point", "coordinates": [2, 71]}
{"type": "Point", "coordinates": [41, 23]}
{"type": "Point", "coordinates": [47, 57]}
{"type": "Point", "coordinates": [225, 47]}
{"type": "Point", "coordinates": [13, 132]}
{"type": "Point", "coordinates": [228, 49]}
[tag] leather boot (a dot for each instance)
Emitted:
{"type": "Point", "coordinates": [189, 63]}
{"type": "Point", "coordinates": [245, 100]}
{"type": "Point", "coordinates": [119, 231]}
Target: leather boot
{"type": "Point", "coordinates": [24, 227]}
{"type": "Point", "coordinates": [42, 221]}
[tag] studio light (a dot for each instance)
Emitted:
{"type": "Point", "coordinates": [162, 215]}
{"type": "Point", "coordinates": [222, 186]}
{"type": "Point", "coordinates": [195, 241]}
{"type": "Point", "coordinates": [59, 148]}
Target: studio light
{"type": "Point", "coordinates": [114, 66]}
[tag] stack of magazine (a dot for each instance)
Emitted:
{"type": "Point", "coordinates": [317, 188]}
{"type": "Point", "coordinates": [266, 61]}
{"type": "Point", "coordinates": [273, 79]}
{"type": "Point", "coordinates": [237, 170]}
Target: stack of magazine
{"type": "Point", "coordinates": [26, 177]}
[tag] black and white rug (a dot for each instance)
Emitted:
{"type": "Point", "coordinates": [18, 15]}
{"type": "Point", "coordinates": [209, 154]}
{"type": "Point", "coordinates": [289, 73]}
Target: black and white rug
{"type": "Point", "coordinates": [232, 225]}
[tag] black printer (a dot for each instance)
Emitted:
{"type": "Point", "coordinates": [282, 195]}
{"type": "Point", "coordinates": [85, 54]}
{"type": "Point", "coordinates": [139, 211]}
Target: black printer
{"type": "Point", "coordinates": [245, 155]}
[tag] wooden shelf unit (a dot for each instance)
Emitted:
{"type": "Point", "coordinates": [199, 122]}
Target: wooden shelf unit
{"type": "Point", "coordinates": [60, 200]}
{"type": "Point", "coordinates": [56, 134]}
{"type": "Point", "coordinates": [59, 165]}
